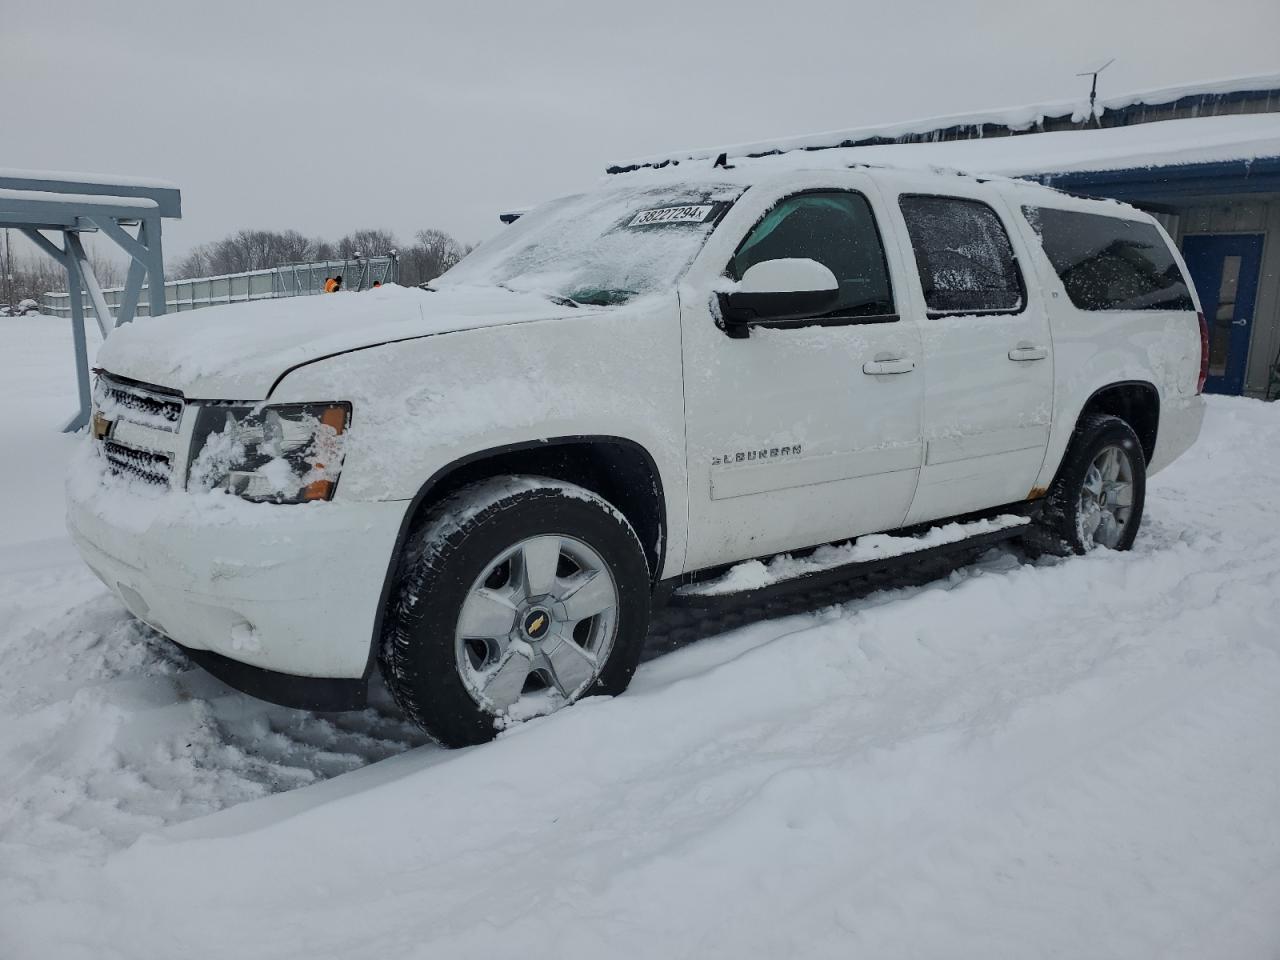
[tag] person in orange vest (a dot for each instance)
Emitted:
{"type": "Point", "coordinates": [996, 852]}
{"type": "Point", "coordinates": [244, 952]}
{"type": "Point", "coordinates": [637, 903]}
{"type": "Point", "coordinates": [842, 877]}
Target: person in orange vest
{"type": "Point", "coordinates": [330, 285]}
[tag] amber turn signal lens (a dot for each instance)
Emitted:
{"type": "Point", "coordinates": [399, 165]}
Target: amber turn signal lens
{"type": "Point", "coordinates": [335, 417]}
{"type": "Point", "coordinates": [318, 490]}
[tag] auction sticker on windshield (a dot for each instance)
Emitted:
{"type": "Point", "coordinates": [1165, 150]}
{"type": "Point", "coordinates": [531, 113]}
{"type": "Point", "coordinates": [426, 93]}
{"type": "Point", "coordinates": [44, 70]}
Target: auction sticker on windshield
{"type": "Point", "coordinates": [695, 213]}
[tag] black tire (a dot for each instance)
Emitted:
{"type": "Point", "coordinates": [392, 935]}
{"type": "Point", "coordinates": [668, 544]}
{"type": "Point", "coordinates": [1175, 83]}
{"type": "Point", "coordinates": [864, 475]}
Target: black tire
{"type": "Point", "coordinates": [443, 558]}
{"type": "Point", "coordinates": [1061, 528]}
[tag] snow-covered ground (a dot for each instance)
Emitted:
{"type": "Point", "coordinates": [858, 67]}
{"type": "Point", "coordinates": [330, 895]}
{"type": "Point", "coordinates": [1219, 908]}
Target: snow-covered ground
{"type": "Point", "coordinates": [1074, 758]}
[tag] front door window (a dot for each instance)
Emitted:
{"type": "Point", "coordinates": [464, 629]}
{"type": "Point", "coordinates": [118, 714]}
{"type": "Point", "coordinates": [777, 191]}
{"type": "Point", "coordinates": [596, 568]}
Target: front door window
{"type": "Point", "coordinates": [837, 229]}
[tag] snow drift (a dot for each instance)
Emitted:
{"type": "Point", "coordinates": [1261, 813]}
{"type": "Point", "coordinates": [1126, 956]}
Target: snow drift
{"type": "Point", "coordinates": [1066, 758]}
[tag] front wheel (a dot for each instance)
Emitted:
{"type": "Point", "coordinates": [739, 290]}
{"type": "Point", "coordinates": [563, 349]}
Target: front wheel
{"type": "Point", "coordinates": [1098, 497]}
{"type": "Point", "coordinates": [517, 596]}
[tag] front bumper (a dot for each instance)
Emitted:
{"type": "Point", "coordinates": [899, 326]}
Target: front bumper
{"type": "Point", "coordinates": [286, 589]}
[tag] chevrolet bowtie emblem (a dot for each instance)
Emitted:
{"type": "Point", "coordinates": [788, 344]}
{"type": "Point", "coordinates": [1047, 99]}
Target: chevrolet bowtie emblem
{"type": "Point", "coordinates": [536, 624]}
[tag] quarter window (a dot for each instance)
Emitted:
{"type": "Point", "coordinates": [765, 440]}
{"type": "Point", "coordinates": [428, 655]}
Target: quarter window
{"type": "Point", "coordinates": [1109, 263]}
{"type": "Point", "coordinates": [837, 229]}
{"type": "Point", "coordinates": [963, 253]}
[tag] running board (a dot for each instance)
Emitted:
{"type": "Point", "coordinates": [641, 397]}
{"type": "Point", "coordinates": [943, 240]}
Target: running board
{"type": "Point", "coordinates": [757, 580]}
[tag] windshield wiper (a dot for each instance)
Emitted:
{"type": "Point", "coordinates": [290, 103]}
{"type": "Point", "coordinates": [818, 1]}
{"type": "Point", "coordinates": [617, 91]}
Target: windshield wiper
{"type": "Point", "coordinates": [605, 298]}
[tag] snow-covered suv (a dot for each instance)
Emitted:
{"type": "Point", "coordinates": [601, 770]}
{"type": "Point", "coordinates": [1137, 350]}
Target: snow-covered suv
{"type": "Point", "coordinates": [484, 485]}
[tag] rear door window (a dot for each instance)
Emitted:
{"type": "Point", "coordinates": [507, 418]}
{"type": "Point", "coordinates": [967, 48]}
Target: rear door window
{"type": "Point", "coordinates": [1109, 263]}
{"type": "Point", "coordinates": [964, 256]}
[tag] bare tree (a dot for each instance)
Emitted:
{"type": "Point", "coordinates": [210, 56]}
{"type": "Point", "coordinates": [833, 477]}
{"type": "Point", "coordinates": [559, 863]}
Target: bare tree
{"type": "Point", "coordinates": [367, 243]}
{"type": "Point", "coordinates": [108, 271]}
{"type": "Point", "coordinates": [432, 253]}
{"type": "Point", "coordinates": [33, 275]}
{"type": "Point", "coordinates": [249, 250]}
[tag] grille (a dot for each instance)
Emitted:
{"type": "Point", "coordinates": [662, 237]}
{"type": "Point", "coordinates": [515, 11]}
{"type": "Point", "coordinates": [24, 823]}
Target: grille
{"type": "Point", "coordinates": [154, 468]}
{"type": "Point", "coordinates": [140, 440]}
{"type": "Point", "coordinates": [151, 407]}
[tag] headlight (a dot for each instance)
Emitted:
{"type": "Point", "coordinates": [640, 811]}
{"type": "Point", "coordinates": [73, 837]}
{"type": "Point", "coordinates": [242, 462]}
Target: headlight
{"type": "Point", "coordinates": [289, 453]}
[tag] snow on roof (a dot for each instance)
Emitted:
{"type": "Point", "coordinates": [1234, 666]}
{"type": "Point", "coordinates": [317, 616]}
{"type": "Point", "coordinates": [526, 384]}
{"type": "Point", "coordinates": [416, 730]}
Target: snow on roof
{"type": "Point", "coordinates": [167, 198]}
{"type": "Point", "coordinates": [1162, 144]}
{"type": "Point", "coordinates": [1165, 143]}
{"type": "Point", "coordinates": [79, 199]}
{"type": "Point", "coordinates": [1015, 118]}
{"type": "Point", "coordinates": [97, 179]}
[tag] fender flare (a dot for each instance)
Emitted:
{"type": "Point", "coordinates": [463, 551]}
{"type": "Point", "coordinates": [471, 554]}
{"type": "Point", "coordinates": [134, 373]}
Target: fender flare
{"type": "Point", "coordinates": [1079, 413]}
{"type": "Point", "coordinates": [424, 493]}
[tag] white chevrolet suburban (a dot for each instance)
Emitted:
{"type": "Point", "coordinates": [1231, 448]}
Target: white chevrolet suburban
{"type": "Point", "coordinates": [484, 485]}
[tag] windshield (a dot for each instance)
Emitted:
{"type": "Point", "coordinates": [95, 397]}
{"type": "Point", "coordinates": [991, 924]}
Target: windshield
{"type": "Point", "coordinates": [604, 247]}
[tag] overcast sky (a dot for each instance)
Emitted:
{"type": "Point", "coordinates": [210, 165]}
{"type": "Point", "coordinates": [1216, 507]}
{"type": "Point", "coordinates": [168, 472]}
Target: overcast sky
{"type": "Point", "coordinates": [330, 117]}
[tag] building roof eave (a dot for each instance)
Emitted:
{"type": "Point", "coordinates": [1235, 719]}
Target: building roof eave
{"type": "Point", "coordinates": [1167, 181]}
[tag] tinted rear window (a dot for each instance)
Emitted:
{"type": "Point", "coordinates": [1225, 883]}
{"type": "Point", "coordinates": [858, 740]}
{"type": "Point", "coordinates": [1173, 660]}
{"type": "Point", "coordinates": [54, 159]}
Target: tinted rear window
{"type": "Point", "coordinates": [1107, 263]}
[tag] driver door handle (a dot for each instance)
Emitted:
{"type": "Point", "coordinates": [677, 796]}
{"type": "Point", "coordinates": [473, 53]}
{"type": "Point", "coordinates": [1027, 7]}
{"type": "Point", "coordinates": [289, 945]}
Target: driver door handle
{"type": "Point", "coordinates": [1028, 351]}
{"type": "Point", "coordinates": [887, 363]}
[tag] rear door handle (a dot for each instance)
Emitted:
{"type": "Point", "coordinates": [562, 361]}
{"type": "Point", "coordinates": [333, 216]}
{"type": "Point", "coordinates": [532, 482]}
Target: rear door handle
{"type": "Point", "coordinates": [1028, 351]}
{"type": "Point", "coordinates": [885, 363]}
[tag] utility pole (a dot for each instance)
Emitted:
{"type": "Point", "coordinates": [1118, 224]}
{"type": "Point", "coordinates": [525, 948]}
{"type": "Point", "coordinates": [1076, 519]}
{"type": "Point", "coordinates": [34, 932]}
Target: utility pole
{"type": "Point", "coordinates": [8, 269]}
{"type": "Point", "coordinates": [1093, 90]}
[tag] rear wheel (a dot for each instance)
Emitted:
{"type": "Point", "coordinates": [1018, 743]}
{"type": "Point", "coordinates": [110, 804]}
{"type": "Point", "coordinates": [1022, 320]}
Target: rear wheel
{"type": "Point", "coordinates": [516, 597]}
{"type": "Point", "coordinates": [1098, 497]}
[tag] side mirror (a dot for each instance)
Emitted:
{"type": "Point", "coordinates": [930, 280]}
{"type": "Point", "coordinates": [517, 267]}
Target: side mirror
{"type": "Point", "coordinates": [778, 290]}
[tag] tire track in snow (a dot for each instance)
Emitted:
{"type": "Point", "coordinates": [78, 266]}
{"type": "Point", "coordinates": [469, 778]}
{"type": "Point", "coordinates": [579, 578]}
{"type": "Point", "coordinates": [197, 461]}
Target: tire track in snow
{"type": "Point", "coordinates": [218, 747]}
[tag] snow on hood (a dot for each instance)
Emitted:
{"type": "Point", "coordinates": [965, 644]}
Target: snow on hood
{"type": "Point", "coordinates": [238, 351]}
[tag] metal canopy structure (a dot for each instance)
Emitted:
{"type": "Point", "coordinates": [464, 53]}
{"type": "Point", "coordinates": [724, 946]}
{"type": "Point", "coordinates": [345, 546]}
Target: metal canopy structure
{"type": "Point", "coordinates": [42, 205]}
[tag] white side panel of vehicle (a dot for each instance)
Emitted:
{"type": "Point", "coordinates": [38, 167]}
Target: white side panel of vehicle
{"type": "Point", "coordinates": [988, 380]}
{"type": "Point", "coordinates": [762, 476]}
{"type": "Point", "coordinates": [790, 442]}
{"type": "Point", "coordinates": [418, 406]}
{"type": "Point", "coordinates": [1096, 349]}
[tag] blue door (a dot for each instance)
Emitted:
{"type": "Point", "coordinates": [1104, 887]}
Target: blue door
{"type": "Point", "coordinates": [1225, 271]}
